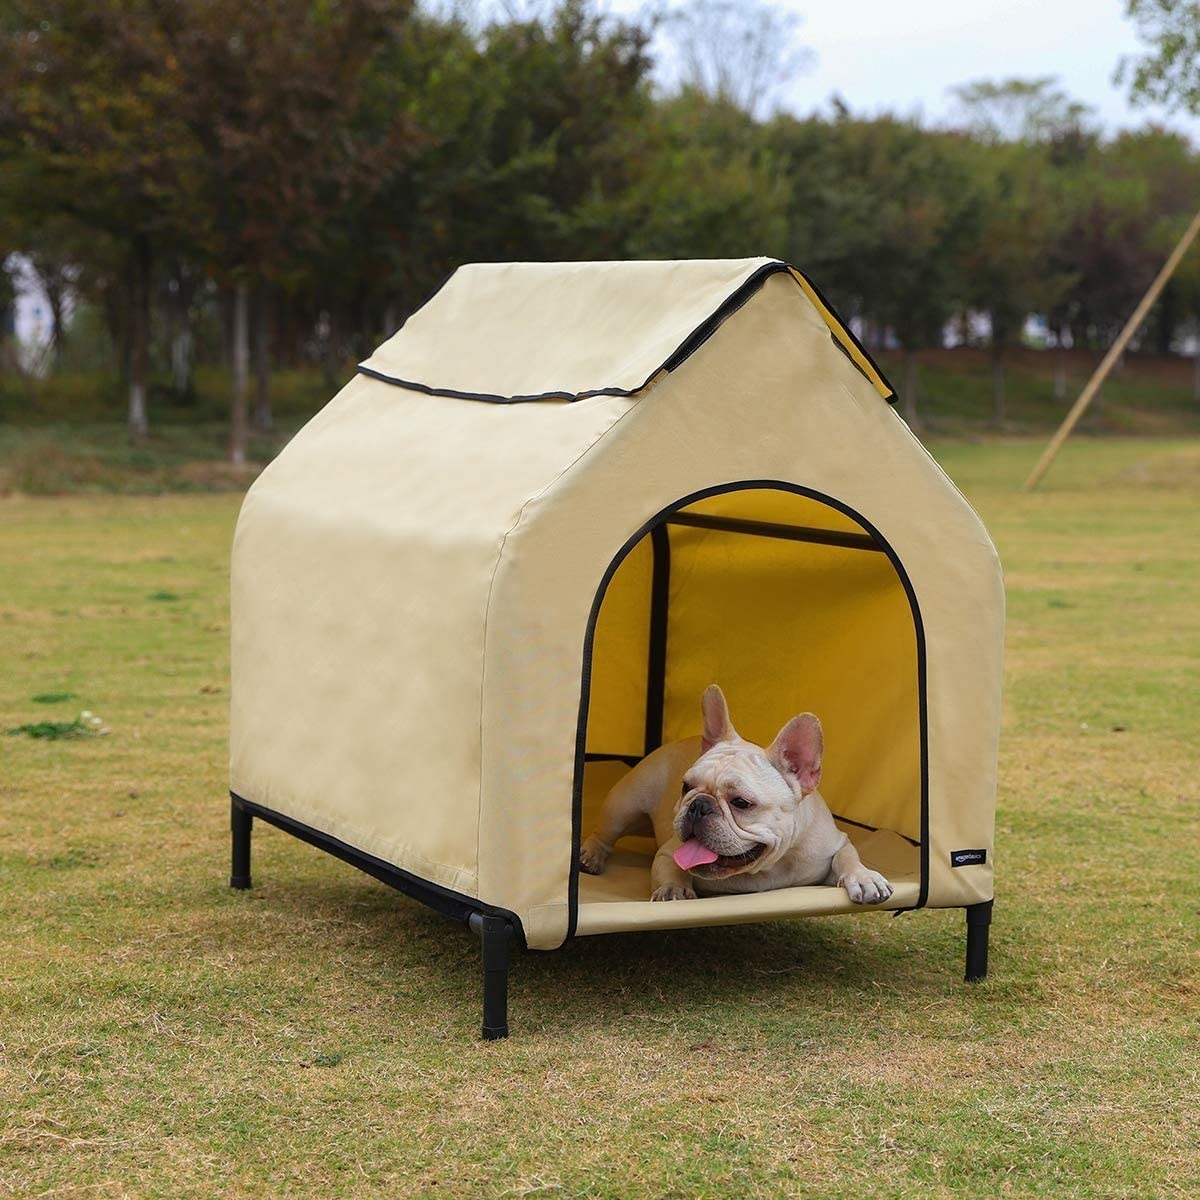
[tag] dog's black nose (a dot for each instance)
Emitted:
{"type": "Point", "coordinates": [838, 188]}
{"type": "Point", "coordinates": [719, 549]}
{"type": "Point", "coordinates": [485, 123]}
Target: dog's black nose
{"type": "Point", "coordinates": [701, 806]}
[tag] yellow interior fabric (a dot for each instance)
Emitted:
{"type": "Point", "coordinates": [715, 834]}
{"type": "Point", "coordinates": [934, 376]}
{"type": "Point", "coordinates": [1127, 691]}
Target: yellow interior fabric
{"type": "Point", "coordinates": [784, 627]}
{"type": "Point", "coordinates": [617, 725]}
{"type": "Point", "coordinates": [839, 331]}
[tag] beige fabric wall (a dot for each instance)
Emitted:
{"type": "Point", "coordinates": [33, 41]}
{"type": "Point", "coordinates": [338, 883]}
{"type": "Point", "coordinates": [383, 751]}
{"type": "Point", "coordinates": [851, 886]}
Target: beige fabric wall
{"type": "Point", "coordinates": [362, 565]}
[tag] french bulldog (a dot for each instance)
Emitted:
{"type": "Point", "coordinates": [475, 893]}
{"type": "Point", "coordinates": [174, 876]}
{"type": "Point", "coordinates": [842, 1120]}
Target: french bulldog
{"type": "Point", "coordinates": [731, 816]}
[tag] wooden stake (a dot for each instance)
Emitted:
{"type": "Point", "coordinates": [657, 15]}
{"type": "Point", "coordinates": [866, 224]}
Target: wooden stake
{"type": "Point", "coordinates": [1114, 352]}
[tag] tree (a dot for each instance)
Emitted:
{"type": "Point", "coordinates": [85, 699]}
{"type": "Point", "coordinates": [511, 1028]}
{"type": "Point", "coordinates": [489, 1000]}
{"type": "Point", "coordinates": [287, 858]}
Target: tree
{"type": "Point", "coordinates": [55, 277]}
{"type": "Point", "coordinates": [1019, 110]}
{"type": "Point", "coordinates": [1013, 262]}
{"type": "Point", "coordinates": [531, 138]}
{"type": "Point", "coordinates": [882, 210]}
{"type": "Point", "coordinates": [90, 136]}
{"type": "Point", "coordinates": [737, 52]}
{"type": "Point", "coordinates": [1163, 172]}
{"type": "Point", "coordinates": [1169, 72]}
{"type": "Point", "coordinates": [8, 303]}
{"type": "Point", "coordinates": [271, 96]}
{"type": "Point", "coordinates": [710, 188]}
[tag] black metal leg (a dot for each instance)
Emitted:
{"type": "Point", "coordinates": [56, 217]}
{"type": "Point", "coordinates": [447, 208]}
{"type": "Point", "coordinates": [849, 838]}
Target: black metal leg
{"type": "Point", "coordinates": [241, 824]}
{"type": "Point", "coordinates": [496, 935]}
{"type": "Point", "coordinates": [979, 919]}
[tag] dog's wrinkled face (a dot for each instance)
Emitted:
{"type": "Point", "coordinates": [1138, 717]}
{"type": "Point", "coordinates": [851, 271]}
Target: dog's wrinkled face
{"type": "Point", "coordinates": [739, 806]}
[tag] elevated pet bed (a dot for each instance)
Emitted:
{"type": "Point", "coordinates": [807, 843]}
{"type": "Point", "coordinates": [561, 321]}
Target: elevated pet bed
{"type": "Point", "coordinates": [502, 564]}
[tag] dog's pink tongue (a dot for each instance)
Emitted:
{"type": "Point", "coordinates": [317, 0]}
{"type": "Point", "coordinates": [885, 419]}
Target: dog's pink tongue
{"type": "Point", "coordinates": [693, 853]}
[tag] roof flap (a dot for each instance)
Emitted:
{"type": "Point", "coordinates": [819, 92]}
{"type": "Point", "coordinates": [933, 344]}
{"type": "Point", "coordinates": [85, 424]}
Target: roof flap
{"type": "Point", "coordinates": [539, 331]}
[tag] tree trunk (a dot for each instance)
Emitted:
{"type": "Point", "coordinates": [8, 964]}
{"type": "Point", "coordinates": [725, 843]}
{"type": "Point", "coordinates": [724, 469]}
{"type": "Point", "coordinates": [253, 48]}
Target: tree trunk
{"type": "Point", "coordinates": [1060, 373]}
{"type": "Point", "coordinates": [262, 361]}
{"type": "Point", "coordinates": [999, 405]}
{"type": "Point", "coordinates": [911, 381]}
{"type": "Point", "coordinates": [225, 305]}
{"type": "Point", "coordinates": [56, 299]}
{"type": "Point", "coordinates": [964, 327]}
{"type": "Point", "coordinates": [183, 343]}
{"type": "Point", "coordinates": [240, 372]}
{"type": "Point", "coordinates": [1167, 319]}
{"type": "Point", "coordinates": [181, 361]}
{"type": "Point", "coordinates": [139, 338]}
{"type": "Point", "coordinates": [327, 331]}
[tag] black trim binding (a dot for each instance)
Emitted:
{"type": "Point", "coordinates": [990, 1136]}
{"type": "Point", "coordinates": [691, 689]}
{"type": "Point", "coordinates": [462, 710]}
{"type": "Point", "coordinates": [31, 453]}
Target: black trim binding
{"type": "Point", "coordinates": [656, 668]}
{"type": "Point", "coordinates": [662, 516]}
{"type": "Point", "coordinates": [833, 312]}
{"type": "Point", "coordinates": [720, 314]}
{"type": "Point", "coordinates": [682, 352]}
{"type": "Point", "coordinates": [490, 398]}
{"type": "Point", "coordinates": [873, 829]}
{"type": "Point", "coordinates": [790, 533]}
{"type": "Point", "coordinates": [841, 348]}
{"type": "Point", "coordinates": [446, 901]}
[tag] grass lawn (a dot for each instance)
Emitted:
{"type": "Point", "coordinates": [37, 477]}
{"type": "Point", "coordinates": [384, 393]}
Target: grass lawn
{"type": "Point", "coordinates": [317, 1036]}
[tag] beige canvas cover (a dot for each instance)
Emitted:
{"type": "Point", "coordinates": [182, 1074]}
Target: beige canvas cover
{"type": "Point", "coordinates": [443, 590]}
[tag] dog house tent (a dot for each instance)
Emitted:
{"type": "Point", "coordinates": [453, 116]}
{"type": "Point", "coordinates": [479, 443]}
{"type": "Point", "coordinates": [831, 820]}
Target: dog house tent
{"type": "Point", "coordinates": [502, 564]}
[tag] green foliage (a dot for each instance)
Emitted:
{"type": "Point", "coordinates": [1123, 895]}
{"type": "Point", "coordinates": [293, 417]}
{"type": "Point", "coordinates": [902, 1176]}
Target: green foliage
{"type": "Point", "coordinates": [1169, 72]}
{"type": "Point", "coordinates": [1010, 263]}
{"type": "Point", "coordinates": [543, 145]}
{"type": "Point", "coordinates": [710, 187]}
{"type": "Point", "coordinates": [344, 158]}
{"type": "Point", "coordinates": [880, 214]}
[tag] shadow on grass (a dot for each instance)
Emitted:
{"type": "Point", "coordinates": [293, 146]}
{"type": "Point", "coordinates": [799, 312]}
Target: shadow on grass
{"type": "Point", "coordinates": [598, 985]}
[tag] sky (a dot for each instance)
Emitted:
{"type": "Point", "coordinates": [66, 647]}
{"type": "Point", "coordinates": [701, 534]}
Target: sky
{"type": "Point", "coordinates": [901, 56]}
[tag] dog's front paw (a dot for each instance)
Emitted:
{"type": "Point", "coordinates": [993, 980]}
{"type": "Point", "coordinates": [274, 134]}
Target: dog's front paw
{"type": "Point", "coordinates": [672, 891]}
{"type": "Point", "coordinates": [593, 856]}
{"type": "Point", "coordinates": [865, 886]}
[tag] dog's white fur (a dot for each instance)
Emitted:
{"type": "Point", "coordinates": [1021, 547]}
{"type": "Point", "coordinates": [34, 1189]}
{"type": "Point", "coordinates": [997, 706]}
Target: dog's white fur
{"type": "Point", "coordinates": [764, 816]}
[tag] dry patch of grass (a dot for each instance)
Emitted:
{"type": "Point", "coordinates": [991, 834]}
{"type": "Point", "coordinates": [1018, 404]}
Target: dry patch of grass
{"type": "Point", "coordinates": [164, 1036]}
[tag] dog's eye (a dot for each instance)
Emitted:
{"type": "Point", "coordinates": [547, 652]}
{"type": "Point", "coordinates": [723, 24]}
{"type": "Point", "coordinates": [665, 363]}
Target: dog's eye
{"type": "Point", "coordinates": [687, 787]}
{"type": "Point", "coordinates": [738, 802]}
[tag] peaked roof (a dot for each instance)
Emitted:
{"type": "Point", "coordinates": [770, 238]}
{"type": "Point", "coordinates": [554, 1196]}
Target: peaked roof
{"type": "Point", "coordinates": [509, 332]}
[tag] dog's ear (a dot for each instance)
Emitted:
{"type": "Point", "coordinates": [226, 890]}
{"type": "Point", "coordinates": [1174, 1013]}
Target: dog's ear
{"type": "Point", "coordinates": [797, 751]}
{"type": "Point", "coordinates": [717, 726]}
